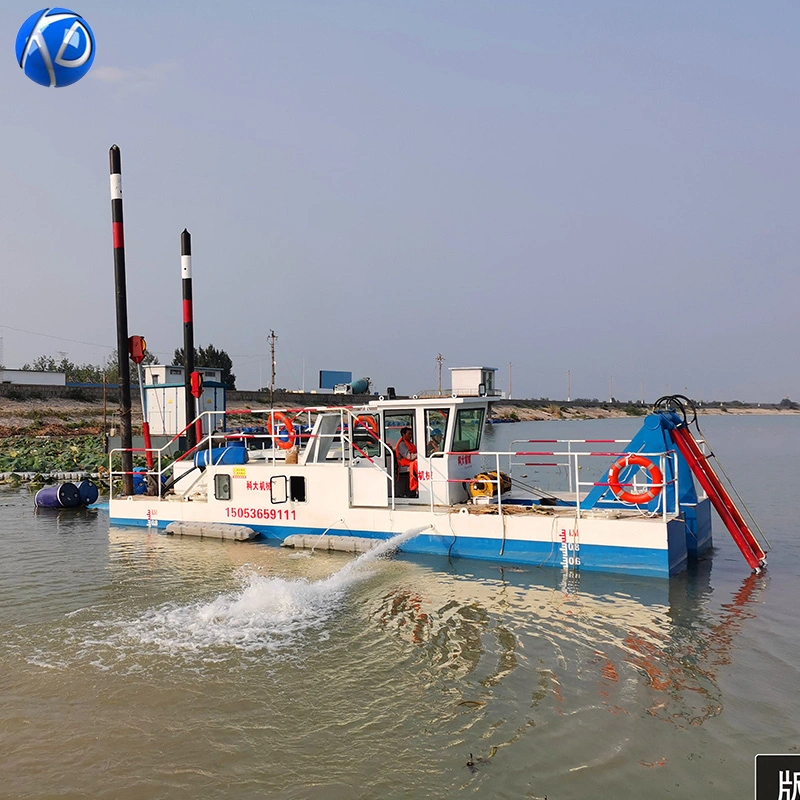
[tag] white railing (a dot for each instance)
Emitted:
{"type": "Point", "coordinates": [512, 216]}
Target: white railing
{"type": "Point", "coordinates": [573, 462]}
{"type": "Point", "coordinates": [576, 465]}
{"type": "Point", "coordinates": [345, 448]}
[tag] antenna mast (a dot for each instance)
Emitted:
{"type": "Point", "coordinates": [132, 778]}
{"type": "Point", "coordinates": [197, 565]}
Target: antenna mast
{"type": "Point", "coordinates": [272, 339]}
{"type": "Point", "coordinates": [440, 361]}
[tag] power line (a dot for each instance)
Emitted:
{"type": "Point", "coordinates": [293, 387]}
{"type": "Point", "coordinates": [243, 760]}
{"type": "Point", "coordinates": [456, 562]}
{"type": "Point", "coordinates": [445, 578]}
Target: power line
{"type": "Point", "coordinates": [59, 338]}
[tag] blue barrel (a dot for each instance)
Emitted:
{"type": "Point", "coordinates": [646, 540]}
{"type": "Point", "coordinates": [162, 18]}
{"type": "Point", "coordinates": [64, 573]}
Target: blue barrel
{"type": "Point", "coordinates": [61, 495]}
{"type": "Point", "coordinates": [235, 454]}
{"type": "Point", "coordinates": [140, 480]}
{"type": "Point", "coordinates": [88, 492]}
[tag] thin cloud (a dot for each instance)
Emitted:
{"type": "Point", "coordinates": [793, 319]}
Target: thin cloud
{"type": "Point", "coordinates": [136, 80]}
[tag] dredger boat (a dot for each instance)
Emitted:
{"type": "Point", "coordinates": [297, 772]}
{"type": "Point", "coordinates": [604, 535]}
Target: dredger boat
{"type": "Point", "coordinates": [329, 475]}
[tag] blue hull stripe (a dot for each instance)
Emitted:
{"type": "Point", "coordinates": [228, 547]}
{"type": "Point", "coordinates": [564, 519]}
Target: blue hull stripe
{"type": "Point", "coordinates": [593, 558]}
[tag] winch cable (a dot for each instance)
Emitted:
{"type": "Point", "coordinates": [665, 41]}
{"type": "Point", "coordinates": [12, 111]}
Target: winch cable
{"type": "Point", "coordinates": [541, 493]}
{"type": "Point", "coordinates": [718, 466]}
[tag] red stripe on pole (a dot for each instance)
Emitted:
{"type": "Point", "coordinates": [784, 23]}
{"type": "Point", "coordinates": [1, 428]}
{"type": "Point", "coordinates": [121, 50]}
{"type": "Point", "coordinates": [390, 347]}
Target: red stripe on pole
{"type": "Point", "coordinates": [187, 310]}
{"type": "Point", "coordinates": [119, 240]}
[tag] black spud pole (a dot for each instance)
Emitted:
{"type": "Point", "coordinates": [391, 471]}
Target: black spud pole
{"type": "Point", "coordinates": [188, 334]}
{"type": "Point", "coordinates": [126, 434]}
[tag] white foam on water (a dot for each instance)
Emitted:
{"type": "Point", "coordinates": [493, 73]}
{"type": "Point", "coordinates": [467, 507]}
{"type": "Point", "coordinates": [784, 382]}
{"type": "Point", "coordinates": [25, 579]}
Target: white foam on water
{"type": "Point", "coordinates": [267, 613]}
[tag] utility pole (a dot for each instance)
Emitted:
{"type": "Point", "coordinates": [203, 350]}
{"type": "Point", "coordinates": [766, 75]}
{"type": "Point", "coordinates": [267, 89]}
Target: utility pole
{"type": "Point", "coordinates": [440, 361]}
{"type": "Point", "coordinates": [272, 339]}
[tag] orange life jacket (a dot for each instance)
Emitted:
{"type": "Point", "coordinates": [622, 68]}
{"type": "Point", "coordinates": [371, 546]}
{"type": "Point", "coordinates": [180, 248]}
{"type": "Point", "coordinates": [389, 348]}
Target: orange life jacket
{"type": "Point", "coordinates": [405, 462]}
{"type": "Point", "coordinates": [411, 463]}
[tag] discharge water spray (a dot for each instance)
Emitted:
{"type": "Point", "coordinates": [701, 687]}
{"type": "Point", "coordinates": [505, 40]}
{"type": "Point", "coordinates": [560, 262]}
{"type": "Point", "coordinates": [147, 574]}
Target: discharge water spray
{"type": "Point", "coordinates": [270, 614]}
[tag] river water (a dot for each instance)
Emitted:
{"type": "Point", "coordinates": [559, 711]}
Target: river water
{"type": "Point", "coordinates": [135, 665]}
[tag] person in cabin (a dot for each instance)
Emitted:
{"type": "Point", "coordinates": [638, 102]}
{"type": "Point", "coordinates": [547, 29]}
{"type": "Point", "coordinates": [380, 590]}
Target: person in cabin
{"type": "Point", "coordinates": [435, 443]}
{"type": "Point", "coordinates": [406, 452]}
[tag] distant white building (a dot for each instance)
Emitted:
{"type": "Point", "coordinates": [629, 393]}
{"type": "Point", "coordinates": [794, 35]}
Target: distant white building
{"type": "Point", "coordinates": [33, 377]}
{"type": "Point", "coordinates": [164, 392]}
{"type": "Point", "coordinates": [174, 374]}
{"type": "Point", "coordinates": [474, 382]}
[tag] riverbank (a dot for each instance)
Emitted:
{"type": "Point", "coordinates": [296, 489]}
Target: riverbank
{"type": "Point", "coordinates": [522, 411]}
{"type": "Point", "coordinates": [62, 416]}
{"type": "Point", "coordinates": [51, 435]}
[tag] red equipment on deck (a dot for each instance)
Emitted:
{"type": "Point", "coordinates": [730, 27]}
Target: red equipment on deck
{"type": "Point", "coordinates": [706, 476]}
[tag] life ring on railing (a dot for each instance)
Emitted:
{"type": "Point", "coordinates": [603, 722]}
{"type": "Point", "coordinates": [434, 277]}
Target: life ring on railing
{"type": "Point", "coordinates": [634, 460]}
{"type": "Point", "coordinates": [280, 417]}
{"type": "Point", "coordinates": [368, 423]}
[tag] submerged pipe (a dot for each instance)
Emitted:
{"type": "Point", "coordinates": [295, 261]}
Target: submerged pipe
{"type": "Point", "coordinates": [188, 335]}
{"type": "Point", "coordinates": [126, 433]}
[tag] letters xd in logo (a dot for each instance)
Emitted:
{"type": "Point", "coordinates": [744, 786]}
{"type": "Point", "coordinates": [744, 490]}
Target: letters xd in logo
{"type": "Point", "coordinates": [55, 47]}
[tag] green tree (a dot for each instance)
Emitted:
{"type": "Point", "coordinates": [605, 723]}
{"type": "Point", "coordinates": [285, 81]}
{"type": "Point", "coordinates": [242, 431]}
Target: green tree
{"type": "Point", "coordinates": [210, 357]}
{"type": "Point", "coordinates": [87, 373]}
{"type": "Point", "coordinates": [111, 367]}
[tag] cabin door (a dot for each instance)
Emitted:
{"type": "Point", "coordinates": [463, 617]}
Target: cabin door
{"type": "Point", "coordinates": [432, 467]}
{"type": "Point", "coordinates": [394, 423]}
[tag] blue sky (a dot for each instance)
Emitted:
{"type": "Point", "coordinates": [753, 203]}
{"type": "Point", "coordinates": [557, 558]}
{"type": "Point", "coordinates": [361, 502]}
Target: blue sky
{"type": "Point", "coordinates": [605, 190]}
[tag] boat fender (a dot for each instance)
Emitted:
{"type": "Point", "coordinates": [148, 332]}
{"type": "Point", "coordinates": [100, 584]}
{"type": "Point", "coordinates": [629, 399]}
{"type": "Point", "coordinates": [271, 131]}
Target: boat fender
{"type": "Point", "coordinates": [635, 460]}
{"type": "Point", "coordinates": [282, 419]}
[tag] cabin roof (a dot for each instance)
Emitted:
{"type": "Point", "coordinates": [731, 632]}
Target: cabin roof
{"type": "Point", "coordinates": [430, 402]}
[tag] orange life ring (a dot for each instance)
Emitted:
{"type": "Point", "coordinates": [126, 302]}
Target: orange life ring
{"type": "Point", "coordinates": [368, 422]}
{"type": "Point", "coordinates": [279, 416]}
{"type": "Point", "coordinates": [634, 460]}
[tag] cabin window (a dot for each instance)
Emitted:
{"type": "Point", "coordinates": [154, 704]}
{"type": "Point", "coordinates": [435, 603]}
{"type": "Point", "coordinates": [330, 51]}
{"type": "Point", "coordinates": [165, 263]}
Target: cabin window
{"type": "Point", "coordinates": [297, 488]}
{"type": "Point", "coordinates": [468, 429]}
{"type": "Point", "coordinates": [222, 487]}
{"type": "Point", "coordinates": [394, 422]}
{"type": "Point", "coordinates": [279, 487]}
{"type": "Point", "coordinates": [366, 430]}
{"type": "Point", "coordinates": [435, 430]}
